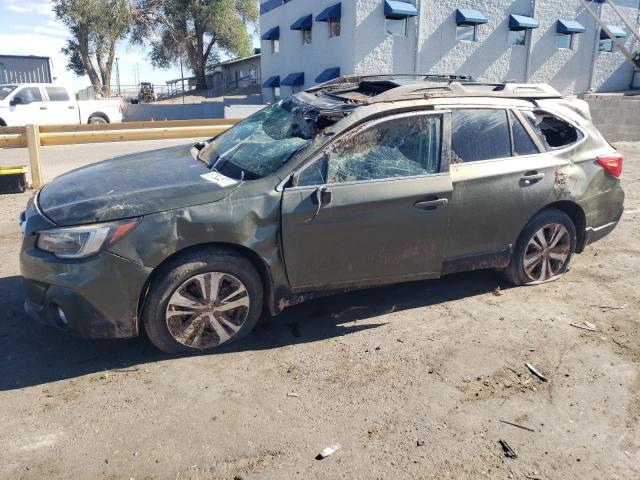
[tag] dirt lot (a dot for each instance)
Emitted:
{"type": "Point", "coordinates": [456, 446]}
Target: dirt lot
{"type": "Point", "coordinates": [413, 380]}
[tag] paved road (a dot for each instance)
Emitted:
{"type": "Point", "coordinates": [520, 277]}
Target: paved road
{"type": "Point", "coordinates": [63, 158]}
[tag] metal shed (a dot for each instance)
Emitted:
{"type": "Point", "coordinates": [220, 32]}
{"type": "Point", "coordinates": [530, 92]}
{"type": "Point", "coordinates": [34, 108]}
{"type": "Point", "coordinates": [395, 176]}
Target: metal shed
{"type": "Point", "coordinates": [25, 69]}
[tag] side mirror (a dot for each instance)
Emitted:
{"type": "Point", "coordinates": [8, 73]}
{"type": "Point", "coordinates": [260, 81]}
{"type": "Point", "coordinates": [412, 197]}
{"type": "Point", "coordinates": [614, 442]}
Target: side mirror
{"type": "Point", "coordinates": [200, 145]}
{"type": "Point", "coordinates": [18, 100]}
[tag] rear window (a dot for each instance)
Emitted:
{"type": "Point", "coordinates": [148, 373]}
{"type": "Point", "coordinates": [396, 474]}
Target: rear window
{"type": "Point", "coordinates": [57, 94]}
{"type": "Point", "coordinates": [479, 134]}
{"type": "Point", "coordinates": [553, 132]}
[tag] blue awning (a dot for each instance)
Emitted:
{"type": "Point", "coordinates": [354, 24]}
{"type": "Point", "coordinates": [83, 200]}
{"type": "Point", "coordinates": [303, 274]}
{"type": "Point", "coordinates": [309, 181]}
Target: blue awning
{"type": "Point", "coordinates": [334, 12]}
{"type": "Point", "coordinates": [272, 82]}
{"type": "Point", "coordinates": [269, 5]}
{"type": "Point", "coordinates": [273, 34]}
{"type": "Point", "coordinates": [518, 22]}
{"type": "Point", "coordinates": [303, 23]}
{"type": "Point", "coordinates": [399, 8]}
{"type": "Point", "coordinates": [328, 74]}
{"type": "Point", "coordinates": [466, 16]}
{"type": "Point", "coordinates": [294, 79]}
{"type": "Point", "coordinates": [570, 26]}
{"type": "Point", "coordinates": [615, 30]}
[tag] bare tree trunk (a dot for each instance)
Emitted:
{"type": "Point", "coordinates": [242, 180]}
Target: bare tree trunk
{"type": "Point", "coordinates": [200, 59]}
{"type": "Point", "coordinates": [106, 75]}
{"type": "Point", "coordinates": [83, 47]}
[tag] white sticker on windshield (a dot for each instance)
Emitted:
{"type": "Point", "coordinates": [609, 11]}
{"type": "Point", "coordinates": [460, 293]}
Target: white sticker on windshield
{"type": "Point", "coordinates": [219, 179]}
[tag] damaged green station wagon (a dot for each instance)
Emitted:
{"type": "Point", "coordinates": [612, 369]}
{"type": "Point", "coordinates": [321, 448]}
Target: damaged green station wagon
{"type": "Point", "coordinates": [358, 182]}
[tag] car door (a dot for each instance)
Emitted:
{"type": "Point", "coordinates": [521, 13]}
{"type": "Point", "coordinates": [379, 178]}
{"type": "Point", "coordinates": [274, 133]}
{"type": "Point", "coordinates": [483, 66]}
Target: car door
{"type": "Point", "coordinates": [501, 177]}
{"type": "Point", "coordinates": [372, 208]}
{"type": "Point", "coordinates": [26, 106]}
{"type": "Point", "coordinates": [61, 108]}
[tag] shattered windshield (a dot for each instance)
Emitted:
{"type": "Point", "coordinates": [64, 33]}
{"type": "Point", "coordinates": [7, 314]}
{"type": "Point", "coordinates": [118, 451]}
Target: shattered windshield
{"type": "Point", "coordinates": [262, 143]}
{"type": "Point", "coordinates": [5, 90]}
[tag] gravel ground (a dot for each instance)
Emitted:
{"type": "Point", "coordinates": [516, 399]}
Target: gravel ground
{"type": "Point", "coordinates": [413, 380]}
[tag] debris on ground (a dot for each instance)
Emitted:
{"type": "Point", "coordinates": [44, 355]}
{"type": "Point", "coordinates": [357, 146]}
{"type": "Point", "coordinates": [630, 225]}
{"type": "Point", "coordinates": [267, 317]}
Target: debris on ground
{"type": "Point", "coordinates": [292, 394]}
{"type": "Point", "coordinates": [330, 450]}
{"type": "Point", "coordinates": [508, 451]}
{"type": "Point", "coordinates": [532, 477]}
{"type": "Point", "coordinates": [620, 344]}
{"type": "Point", "coordinates": [611, 307]}
{"type": "Point", "coordinates": [497, 292]}
{"type": "Point", "coordinates": [536, 372]}
{"type": "Point", "coordinates": [590, 327]}
{"type": "Point", "coordinates": [420, 443]}
{"type": "Point", "coordinates": [519, 426]}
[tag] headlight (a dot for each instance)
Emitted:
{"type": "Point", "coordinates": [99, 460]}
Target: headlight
{"type": "Point", "coordinates": [82, 242]}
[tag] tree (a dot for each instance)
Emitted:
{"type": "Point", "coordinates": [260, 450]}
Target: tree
{"type": "Point", "coordinates": [96, 26]}
{"type": "Point", "coordinates": [196, 31]}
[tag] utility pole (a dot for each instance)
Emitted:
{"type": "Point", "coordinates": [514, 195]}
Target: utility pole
{"type": "Point", "coordinates": [182, 77]}
{"type": "Point", "coordinates": [118, 75]}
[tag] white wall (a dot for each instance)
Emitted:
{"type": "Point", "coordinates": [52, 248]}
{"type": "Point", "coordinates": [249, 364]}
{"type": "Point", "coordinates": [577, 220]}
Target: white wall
{"type": "Point", "coordinates": [363, 47]}
{"type": "Point", "coordinates": [323, 53]}
{"type": "Point", "coordinates": [611, 70]}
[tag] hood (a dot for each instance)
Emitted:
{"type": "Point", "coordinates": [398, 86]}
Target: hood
{"type": "Point", "coordinates": [131, 186]}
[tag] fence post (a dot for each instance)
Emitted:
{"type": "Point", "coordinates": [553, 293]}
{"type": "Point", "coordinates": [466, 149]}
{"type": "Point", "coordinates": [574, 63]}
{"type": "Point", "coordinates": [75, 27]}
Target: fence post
{"type": "Point", "coordinates": [33, 144]}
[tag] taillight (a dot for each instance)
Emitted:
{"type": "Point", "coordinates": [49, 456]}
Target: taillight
{"type": "Point", "coordinates": [612, 163]}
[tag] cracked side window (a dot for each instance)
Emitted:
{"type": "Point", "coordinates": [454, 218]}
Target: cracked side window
{"type": "Point", "coordinates": [401, 147]}
{"type": "Point", "coordinates": [479, 134]}
{"type": "Point", "coordinates": [314, 174]}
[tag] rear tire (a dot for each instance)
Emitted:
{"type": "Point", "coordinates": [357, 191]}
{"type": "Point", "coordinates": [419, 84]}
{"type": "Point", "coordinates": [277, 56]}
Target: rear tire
{"type": "Point", "coordinates": [543, 250]}
{"type": "Point", "coordinates": [95, 120]}
{"type": "Point", "coordinates": [203, 300]}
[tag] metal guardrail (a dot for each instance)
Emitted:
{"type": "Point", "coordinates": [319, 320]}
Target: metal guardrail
{"type": "Point", "coordinates": [35, 136]}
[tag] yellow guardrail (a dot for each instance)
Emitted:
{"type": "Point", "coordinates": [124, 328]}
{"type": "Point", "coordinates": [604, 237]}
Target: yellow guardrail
{"type": "Point", "coordinates": [35, 136]}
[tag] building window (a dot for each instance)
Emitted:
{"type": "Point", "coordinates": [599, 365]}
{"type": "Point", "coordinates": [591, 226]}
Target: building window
{"type": "Point", "coordinates": [334, 28]}
{"type": "Point", "coordinates": [396, 26]}
{"type": "Point", "coordinates": [306, 37]}
{"type": "Point", "coordinates": [467, 33]}
{"type": "Point", "coordinates": [519, 25]}
{"type": "Point", "coordinates": [564, 40]}
{"type": "Point", "coordinates": [606, 45]}
{"type": "Point", "coordinates": [275, 46]}
{"type": "Point", "coordinates": [517, 37]}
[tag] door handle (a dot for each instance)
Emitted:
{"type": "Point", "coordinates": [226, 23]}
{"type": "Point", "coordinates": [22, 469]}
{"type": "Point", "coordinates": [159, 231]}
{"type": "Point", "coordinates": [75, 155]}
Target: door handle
{"type": "Point", "coordinates": [43, 108]}
{"type": "Point", "coordinates": [71, 107]}
{"type": "Point", "coordinates": [530, 178]}
{"type": "Point", "coordinates": [431, 204]}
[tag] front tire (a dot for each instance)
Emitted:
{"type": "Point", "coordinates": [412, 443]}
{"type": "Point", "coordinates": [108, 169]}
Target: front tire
{"type": "Point", "coordinates": [202, 300]}
{"type": "Point", "coordinates": [543, 250]}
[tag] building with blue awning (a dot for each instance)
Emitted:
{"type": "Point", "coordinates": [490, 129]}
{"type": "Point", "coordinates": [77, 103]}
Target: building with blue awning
{"type": "Point", "coordinates": [551, 41]}
{"type": "Point", "coordinates": [294, 79]}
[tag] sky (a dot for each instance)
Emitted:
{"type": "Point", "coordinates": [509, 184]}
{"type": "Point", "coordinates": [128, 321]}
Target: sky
{"type": "Point", "coordinates": [29, 27]}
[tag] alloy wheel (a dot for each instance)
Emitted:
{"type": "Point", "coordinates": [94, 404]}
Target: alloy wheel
{"type": "Point", "coordinates": [547, 252]}
{"type": "Point", "coordinates": [207, 310]}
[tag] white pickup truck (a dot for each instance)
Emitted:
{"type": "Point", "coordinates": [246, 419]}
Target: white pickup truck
{"type": "Point", "coordinates": [43, 104]}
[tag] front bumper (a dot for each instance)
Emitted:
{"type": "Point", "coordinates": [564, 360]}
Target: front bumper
{"type": "Point", "coordinates": [98, 295]}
